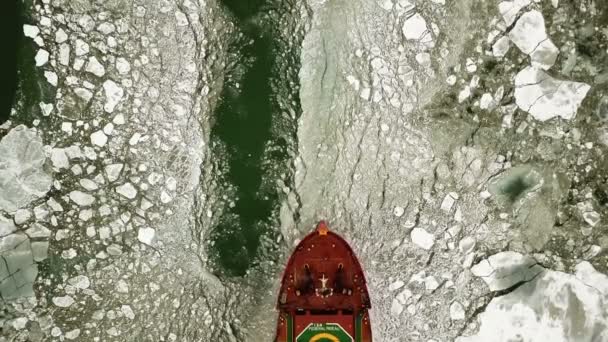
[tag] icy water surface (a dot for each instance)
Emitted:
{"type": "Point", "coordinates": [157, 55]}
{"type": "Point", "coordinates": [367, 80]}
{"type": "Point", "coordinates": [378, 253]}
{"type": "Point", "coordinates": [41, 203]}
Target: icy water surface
{"type": "Point", "coordinates": [163, 157]}
{"type": "Point", "coordinates": [11, 26]}
{"type": "Point", "coordinates": [243, 139]}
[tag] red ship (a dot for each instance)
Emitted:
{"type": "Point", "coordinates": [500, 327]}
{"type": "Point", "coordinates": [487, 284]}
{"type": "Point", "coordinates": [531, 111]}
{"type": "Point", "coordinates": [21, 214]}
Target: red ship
{"type": "Point", "coordinates": [323, 295]}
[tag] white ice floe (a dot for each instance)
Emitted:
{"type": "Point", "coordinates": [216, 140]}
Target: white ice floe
{"type": "Point", "coordinates": [6, 226]}
{"type": "Point", "coordinates": [510, 9]}
{"type": "Point", "coordinates": [60, 36]}
{"type": "Point", "coordinates": [127, 311]}
{"type": "Point", "coordinates": [503, 270]}
{"type": "Point", "coordinates": [99, 138]}
{"type": "Point", "coordinates": [530, 36]}
{"type": "Point", "coordinates": [146, 235]}
{"type": "Point", "coordinates": [84, 94]}
{"type": "Point", "coordinates": [501, 47]}
{"type": "Point", "coordinates": [134, 138]}
{"type": "Point", "coordinates": [42, 57]}
{"type": "Point", "coordinates": [545, 97]}
{"type": "Point", "coordinates": [82, 47]}
{"type": "Point", "coordinates": [31, 31]}
{"type": "Point", "coordinates": [88, 184]}
{"type": "Point", "coordinates": [123, 66]}
{"type": "Point", "coordinates": [113, 171]}
{"type": "Point", "coordinates": [51, 77]}
{"type": "Point", "coordinates": [114, 94]}
{"type": "Point", "coordinates": [82, 199]}
{"type": "Point", "coordinates": [22, 176]}
{"type": "Point", "coordinates": [590, 276]}
{"type": "Point", "coordinates": [422, 238]}
{"type": "Point", "coordinates": [59, 158]}
{"type": "Point", "coordinates": [448, 201]}
{"type": "Point", "coordinates": [63, 302]}
{"type": "Point", "coordinates": [555, 306]}
{"type": "Point", "coordinates": [46, 108]}
{"type": "Point", "coordinates": [415, 28]}
{"type": "Point", "coordinates": [106, 28]}
{"type": "Point", "coordinates": [396, 308]}
{"type": "Point", "coordinates": [72, 334]}
{"type": "Point", "coordinates": [94, 67]}
{"type": "Point", "coordinates": [181, 19]}
{"type": "Point", "coordinates": [457, 312]}
{"type": "Point", "coordinates": [486, 101]}
{"type": "Point", "coordinates": [64, 54]}
{"type": "Point", "coordinates": [127, 190]}
{"type": "Point", "coordinates": [396, 285]}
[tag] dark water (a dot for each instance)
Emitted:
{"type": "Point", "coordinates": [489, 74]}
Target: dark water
{"type": "Point", "coordinates": [243, 137]}
{"type": "Point", "coordinates": [10, 39]}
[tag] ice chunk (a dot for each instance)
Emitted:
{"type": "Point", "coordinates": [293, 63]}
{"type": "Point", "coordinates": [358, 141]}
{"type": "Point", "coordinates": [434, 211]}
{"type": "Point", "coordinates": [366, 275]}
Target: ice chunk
{"type": "Point", "coordinates": [81, 198]}
{"type": "Point", "coordinates": [106, 28]}
{"type": "Point", "coordinates": [80, 282]}
{"type": "Point", "coordinates": [510, 9]}
{"type": "Point", "coordinates": [51, 77]}
{"type": "Point", "coordinates": [63, 302]}
{"type": "Point", "coordinates": [503, 270]}
{"type": "Point", "coordinates": [449, 201]}
{"type": "Point", "coordinates": [31, 31]}
{"type": "Point", "coordinates": [396, 285]}
{"type": "Point", "coordinates": [501, 47]}
{"type": "Point", "coordinates": [422, 238]}
{"type": "Point", "coordinates": [123, 66]}
{"type": "Point", "coordinates": [82, 48]}
{"type": "Point", "coordinates": [59, 158]}
{"type": "Point", "coordinates": [72, 334]}
{"type": "Point", "coordinates": [99, 138]}
{"type": "Point", "coordinates": [95, 68]}
{"type": "Point", "coordinates": [545, 97]}
{"type": "Point", "coordinates": [396, 308]}
{"type": "Point", "coordinates": [38, 231]}
{"type": "Point", "coordinates": [127, 190]}
{"type": "Point", "coordinates": [457, 312]}
{"type": "Point", "coordinates": [146, 235]}
{"type": "Point", "coordinates": [113, 93]}
{"type": "Point", "coordinates": [42, 57]}
{"type": "Point", "coordinates": [181, 19]}
{"type": "Point", "coordinates": [22, 177]}
{"type": "Point", "coordinates": [415, 28]}
{"type": "Point", "coordinates": [555, 306]}
{"type": "Point", "coordinates": [113, 171]}
{"type": "Point", "coordinates": [64, 54]}
{"type": "Point", "coordinates": [530, 36]}
{"type": "Point", "coordinates": [60, 36]}
{"type": "Point", "coordinates": [6, 226]}
{"type": "Point", "coordinates": [588, 275]}
{"type": "Point", "coordinates": [127, 311]}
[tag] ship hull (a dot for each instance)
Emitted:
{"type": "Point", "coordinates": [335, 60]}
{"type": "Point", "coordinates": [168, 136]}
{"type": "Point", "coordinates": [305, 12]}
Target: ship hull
{"type": "Point", "coordinates": [323, 296]}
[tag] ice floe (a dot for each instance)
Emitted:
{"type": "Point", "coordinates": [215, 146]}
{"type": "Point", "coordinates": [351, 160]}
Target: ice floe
{"type": "Point", "coordinates": [555, 307]}
{"type": "Point", "coordinates": [545, 97]}
{"type": "Point", "coordinates": [415, 28]}
{"type": "Point", "coordinates": [22, 176]}
{"type": "Point", "coordinates": [422, 238]}
{"type": "Point", "coordinates": [530, 36]}
{"type": "Point", "coordinates": [114, 94]}
{"type": "Point", "coordinates": [503, 270]}
{"type": "Point", "coordinates": [510, 9]}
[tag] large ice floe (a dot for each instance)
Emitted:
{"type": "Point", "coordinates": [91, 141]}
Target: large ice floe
{"type": "Point", "coordinates": [550, 306]}
{"type": "Point", "coordinates": [545, 97]}
{"type": "Point", "coordinates": [23, 177]}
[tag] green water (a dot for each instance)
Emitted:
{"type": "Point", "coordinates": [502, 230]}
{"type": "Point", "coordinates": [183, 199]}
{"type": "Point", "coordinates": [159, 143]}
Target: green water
{"type": "Point", "coordinates": [242, 137]}
{"type": "Point", "coordinates": [10, 39]}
